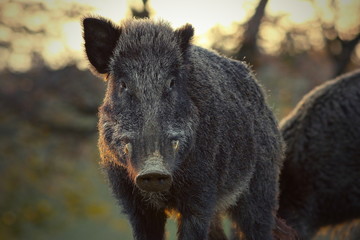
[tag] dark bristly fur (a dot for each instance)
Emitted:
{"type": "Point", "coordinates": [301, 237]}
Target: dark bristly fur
{"type": "Point", "coordinates": [283, 231]}
{"type": "Point", "coordinates": [162, 89]}
{"type": "Point", "coordinates": [320, 181]}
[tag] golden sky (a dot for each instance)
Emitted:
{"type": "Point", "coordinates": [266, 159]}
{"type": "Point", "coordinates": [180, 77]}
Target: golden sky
{"type": "Point", "coordinates": [66, 42]}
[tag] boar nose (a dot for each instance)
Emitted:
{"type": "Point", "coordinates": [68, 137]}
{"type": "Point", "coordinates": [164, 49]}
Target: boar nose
{"type": "Point", "coordinates": [154, 181]}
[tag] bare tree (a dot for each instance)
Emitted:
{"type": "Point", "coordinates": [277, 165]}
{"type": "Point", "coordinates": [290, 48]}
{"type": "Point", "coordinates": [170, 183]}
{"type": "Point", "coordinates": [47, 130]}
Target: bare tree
{"type": "Point", "coordinates": [143, 13]}
{"type": "Point", "coordinates": [249, 48]}
{"type": "Point", "coordinates": [339, 49]}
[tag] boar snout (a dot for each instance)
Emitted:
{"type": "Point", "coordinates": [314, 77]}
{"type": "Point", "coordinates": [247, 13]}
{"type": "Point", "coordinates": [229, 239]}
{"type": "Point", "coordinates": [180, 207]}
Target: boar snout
{"type": "Point", "coordinates": [154, 182]}
{"type": "Point", "coordinates": [154, 177]}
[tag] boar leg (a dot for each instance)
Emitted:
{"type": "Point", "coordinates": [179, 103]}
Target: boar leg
{"type": "Point", "coordinates": [216, 231]}
{"type": "Point", "coordinates": [193, 227]}
{"type": "Point", "coordinates": [253, 212]}
{"type": "Point", "coordinates": [148, 224]}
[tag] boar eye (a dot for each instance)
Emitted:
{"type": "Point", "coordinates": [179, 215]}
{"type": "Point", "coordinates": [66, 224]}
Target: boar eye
{"type": "Point", "coordinates": [171, 84]}
{"type": "Point", "coordinates": [123, 85]}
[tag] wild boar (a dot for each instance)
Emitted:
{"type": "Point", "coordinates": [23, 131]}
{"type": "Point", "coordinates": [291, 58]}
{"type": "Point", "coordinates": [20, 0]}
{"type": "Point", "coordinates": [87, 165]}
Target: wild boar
{"type": "Point", "coordinates": [320, 180]}
{"type": "Point", "coordinates": [183, 129]}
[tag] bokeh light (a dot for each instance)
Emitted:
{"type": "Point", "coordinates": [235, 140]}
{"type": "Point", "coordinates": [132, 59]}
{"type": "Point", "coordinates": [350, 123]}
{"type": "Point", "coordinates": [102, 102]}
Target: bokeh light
{"type": "Point", "coordinates": [51, 185]}
{"type": "Point", "coordinates": [60, 20]}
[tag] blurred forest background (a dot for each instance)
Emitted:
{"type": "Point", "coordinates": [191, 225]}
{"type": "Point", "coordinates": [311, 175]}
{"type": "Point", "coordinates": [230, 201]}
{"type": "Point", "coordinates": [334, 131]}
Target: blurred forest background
{"type": "Point", "coordinates": [51, 186]}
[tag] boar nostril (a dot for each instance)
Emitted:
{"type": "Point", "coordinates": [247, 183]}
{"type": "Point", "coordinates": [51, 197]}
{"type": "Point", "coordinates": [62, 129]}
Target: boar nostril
{"type": "Point", "coordinates": [154, 181]}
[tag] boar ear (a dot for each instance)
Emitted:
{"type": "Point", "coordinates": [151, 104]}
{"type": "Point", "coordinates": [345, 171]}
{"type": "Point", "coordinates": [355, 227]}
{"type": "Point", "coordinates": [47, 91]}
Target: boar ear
{"type": "Point", "coordinates": [184, 35]}
{"type": "Point", "coordinates": [100, 36]}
